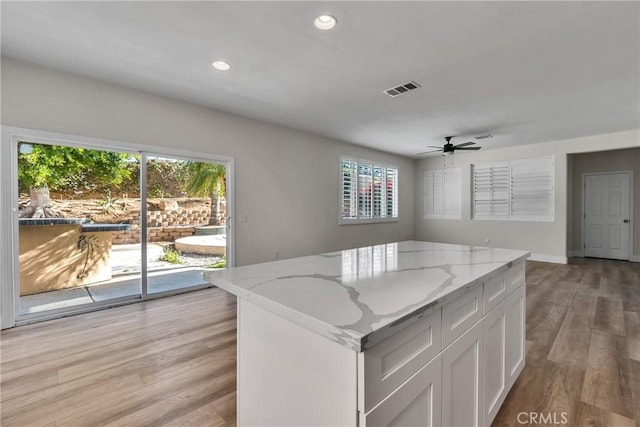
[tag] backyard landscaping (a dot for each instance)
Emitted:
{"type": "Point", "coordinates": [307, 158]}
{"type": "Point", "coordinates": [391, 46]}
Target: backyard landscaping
{"type": "Point", "coordinates": [80, 224]}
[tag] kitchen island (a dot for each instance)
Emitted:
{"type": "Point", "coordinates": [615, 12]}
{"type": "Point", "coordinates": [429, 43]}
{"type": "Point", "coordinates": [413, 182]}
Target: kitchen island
{"type": "Point", "coordinates": [408, 333]}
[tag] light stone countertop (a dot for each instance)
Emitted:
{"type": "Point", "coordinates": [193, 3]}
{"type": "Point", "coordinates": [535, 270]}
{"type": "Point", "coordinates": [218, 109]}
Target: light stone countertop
{"type": "Point", "coordinates": [358, 297]}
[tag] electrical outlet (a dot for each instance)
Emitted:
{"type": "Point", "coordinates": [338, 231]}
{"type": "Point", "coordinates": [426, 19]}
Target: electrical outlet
{"type": "Point", "coordinates": [486, 240]}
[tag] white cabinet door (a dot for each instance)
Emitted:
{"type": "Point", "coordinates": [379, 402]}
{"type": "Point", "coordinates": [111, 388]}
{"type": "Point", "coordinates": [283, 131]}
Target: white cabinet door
{"type": "Point", "coordinates": [495, 387]}
{"type": "Point", "coordinates": [463, 380]}
{"type": "Point", "coordinates": [515, 311]}
{"type": "Point", "coordinates": [417, 403]}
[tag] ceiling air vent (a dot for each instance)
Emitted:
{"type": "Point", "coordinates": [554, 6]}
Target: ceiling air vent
{"type": "Point", "coordinates": [483, 136]}
{"type": "Point", "coordinates": [399, 90]}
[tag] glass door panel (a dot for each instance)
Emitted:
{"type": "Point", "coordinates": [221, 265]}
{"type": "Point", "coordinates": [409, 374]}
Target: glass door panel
{"type": "Point", "coordinates": [78, 227]}
{"type": "Point", "coordinates": [185, 219]}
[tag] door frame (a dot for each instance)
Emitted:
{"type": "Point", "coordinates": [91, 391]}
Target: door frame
{"type": "Point", "coordinates": [584, 209]}
{"type": "Point", "coordinates": [9, 265]}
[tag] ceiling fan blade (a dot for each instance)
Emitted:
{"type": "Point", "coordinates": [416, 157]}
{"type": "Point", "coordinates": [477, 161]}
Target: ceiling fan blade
{"type": "Point", "coordinates": [467, 148]}
{"type": "Point", "coordinates": [435, 146]}
{"type": "Point", "coordinates": [428, 152]}
{"type": "Point", "coordinates": [464, 144]}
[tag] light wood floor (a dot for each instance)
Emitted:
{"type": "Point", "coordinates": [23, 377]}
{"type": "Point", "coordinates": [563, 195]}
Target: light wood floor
{"type": "Point", "coordinates": [171, 362]}
{"type": "Point", "coordinates": [583, 345]}
{"type": "Point", "coordinates": [166, 362]}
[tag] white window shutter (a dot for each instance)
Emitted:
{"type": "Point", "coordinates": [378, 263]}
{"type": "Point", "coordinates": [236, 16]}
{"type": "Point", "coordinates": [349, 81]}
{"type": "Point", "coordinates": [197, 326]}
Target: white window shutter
{"type": "Point", "coordinates": [442, 193]}
{"type": "Point", "coordinates": [532, 189]}
{"type": "Point", "coordinates": [500, 191]}
{"type": "Point", "coordinates": [516, 190]}
{"type": "Point", "coordinates": [379, 193]}
{"type": "Point", "coordinates": [349, 190]}
{"type": "Point", "coordinates": [481, 191]}
{"type": "Point", "coordinates": [365, 184]}
{"type": "Point", "coordinates": [437, 193]}
{"type": "Point", "coordinates": [452, 193]}
{"type": "Point", "coordinates": [368, 192]}
{"type": "Point", "coordinates": [427, 183]}
{"type": "Point", "coordinates": [392, 193]}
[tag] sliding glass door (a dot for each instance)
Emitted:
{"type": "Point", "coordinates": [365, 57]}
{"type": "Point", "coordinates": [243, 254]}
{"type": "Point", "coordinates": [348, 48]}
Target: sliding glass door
{"type": "Point", "coordinates": [76, 243]}
{"type": "Point", "coordinates": [98, 227]}
{"type": "Point", "coordinates": [185, 221]}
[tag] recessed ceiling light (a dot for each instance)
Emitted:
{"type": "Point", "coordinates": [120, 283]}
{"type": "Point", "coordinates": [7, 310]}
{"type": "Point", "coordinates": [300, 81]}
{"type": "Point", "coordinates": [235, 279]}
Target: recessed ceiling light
{"type": "Point", "coordinates": [221, 65]}
{"type": "Point", "coordinates": [325, 22]}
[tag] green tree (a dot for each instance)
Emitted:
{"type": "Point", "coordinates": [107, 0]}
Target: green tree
{"type": "Point", "coordinates": [70, 168]}
{"type": "Point", "coordinates": [207, 179]}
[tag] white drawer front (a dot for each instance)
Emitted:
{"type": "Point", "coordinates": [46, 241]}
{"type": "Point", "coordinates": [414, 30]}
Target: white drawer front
{"type": "Point", "coordinates": [516, 276]}
{"type": "Point", "coordinates": [416, 403]}
{"type": "Point", "coordinates": [495, 290]}
{"type": "Point", "coordinates": [394, 360]}
{"type": "Point", "coordinates": [460, 314]}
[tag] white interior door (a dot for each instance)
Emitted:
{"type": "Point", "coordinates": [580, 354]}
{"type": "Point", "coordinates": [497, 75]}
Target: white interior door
{"type": "Point", "coordinates": [607, 215]}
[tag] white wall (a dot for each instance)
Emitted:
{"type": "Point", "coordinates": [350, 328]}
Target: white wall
{"type": "Point", "coordinates": [603, 161]}
{"type": "Point", "coordinates": [546, 240]}
{"type": "Point", "coordinates": [286, 180]}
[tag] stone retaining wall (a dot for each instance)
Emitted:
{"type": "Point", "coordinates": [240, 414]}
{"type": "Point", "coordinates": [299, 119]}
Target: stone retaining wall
{"type": "Point", "coordinates": [155, 234]}
{"type": "Point", "coordinates": [174, 217]}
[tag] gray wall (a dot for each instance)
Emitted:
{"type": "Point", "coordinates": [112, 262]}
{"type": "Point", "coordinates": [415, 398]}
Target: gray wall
{"type": "Point", "coordinates": [286, 180]}
{"type": "Point", "coordinates": [546, 240]}
{"type": "Point", "coordinates": [603, 161]}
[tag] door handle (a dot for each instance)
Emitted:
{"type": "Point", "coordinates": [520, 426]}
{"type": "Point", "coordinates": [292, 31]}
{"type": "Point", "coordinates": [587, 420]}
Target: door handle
{"type": "Point", "coordinates": [626, 221]}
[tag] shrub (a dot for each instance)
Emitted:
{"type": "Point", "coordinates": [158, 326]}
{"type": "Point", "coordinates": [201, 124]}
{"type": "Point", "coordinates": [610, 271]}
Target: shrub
{"type": "Point", "coordinates": [170, 255]}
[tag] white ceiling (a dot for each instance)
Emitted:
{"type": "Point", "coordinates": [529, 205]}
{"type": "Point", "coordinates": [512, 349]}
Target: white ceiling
{"type": "Point", "coordinates": [523, 71]}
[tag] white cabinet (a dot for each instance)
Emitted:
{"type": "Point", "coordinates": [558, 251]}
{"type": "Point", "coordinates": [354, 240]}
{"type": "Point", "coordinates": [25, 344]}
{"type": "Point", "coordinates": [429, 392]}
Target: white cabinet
{"type": "Point", "coordinates": [391, 362]}
{"type": "Point", "coordinates": [515, 334]}
{"type": "Point", "coordinates": [495, 336]}
{"type": "Point", "coordinates": [463, 380]}
{"type": "Point", "coordinates": [504, 350]}
{"type": "Point", "coordinates": [415, 403]}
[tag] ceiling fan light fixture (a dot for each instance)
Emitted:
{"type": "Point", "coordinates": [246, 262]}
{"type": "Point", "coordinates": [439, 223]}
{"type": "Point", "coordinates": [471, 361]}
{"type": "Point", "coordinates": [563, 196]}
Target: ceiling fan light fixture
{"type": "Point", "coordinates": [325, 22]}
{"type": "Point", "coordinates": [447, 153]}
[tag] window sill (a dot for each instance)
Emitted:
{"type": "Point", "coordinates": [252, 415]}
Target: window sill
{"type": "Point", "coordinates": [342, 221]}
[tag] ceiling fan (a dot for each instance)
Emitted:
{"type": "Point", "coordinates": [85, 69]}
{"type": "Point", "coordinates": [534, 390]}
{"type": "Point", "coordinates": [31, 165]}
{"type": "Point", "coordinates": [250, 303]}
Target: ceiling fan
{"type": "Point", "coordinates": [449, 148]}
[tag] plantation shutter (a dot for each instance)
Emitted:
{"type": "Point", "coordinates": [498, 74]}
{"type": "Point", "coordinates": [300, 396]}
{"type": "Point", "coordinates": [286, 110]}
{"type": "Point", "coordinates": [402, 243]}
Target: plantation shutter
{"type": "Point", "coordinates": [428, 202]}
{"type": "Point", "coordinates": [392, 192]}
{"type": "Point", "coordinates": [500, 191]}
{"type": "Point", "coordinates": [491, 191]}
{"type": "Point", "coordinates": [532, 189]}
{"type": "Point", "coordinates": [452, 193]}
{"type": "Point", "coordinates": [481, 191]}
{"type": "Point", "coordinates": [349, 190]}
{"type": "Point", "coordinates": [367, 191]}
{"type": "Point", "coordinates": [379, 192]}
{"type": "Point", "coordinates": [442, 193]}
{"type": "Point", "coordinates": [365, 183]}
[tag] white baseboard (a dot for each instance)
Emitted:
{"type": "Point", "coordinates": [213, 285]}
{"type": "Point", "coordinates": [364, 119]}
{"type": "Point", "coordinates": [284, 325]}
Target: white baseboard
{"type": "Point", "coordinates": [548, 258]}
{"type": "Point", "coordinates": [632, 258]}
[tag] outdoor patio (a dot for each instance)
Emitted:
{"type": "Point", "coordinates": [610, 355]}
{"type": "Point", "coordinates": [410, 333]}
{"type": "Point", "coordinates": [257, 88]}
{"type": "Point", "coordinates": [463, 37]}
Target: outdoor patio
{"type": "Point", "coordinates": [126, 263]}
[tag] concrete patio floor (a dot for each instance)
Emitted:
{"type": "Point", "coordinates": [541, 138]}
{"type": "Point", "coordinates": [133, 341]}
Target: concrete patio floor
{"type": "Point", "coordinates": [126, 261]}
{"type": "Point", "coordinates": [123, 286]}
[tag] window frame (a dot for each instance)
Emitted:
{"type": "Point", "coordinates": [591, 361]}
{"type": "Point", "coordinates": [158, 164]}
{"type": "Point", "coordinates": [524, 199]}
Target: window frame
{"type": "Point", "coordinates": [373, 165]}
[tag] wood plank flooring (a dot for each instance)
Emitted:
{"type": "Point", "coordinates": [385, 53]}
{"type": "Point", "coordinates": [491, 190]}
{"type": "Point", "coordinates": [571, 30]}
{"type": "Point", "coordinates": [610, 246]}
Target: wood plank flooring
{"type": "Point", "coordinates": [583, 346]}
{"type": "Point", "coordinates": [166, 362]}
{"type": "Point", "coordinates": [172, 362]}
